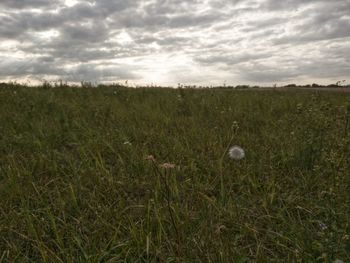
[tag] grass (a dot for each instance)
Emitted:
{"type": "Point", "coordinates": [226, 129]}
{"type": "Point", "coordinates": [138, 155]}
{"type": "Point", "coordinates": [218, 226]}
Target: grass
{"type": "Point", "coordinates": [76, 186]}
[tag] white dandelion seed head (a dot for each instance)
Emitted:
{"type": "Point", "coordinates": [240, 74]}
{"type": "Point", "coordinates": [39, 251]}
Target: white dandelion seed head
{"type": "Point", "coordinates": [236, 153]}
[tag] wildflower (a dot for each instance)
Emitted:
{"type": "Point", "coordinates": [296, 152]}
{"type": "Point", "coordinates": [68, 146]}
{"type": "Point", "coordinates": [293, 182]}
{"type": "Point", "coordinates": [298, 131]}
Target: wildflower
{"type": "Point", "coordinates": [150, 158]}
{"type": "Point", "coordinates": [167, 165]}
{"type": "Point", "coordinates": [220, 229]}
{"type": "Point", "coordinates": [299, 107]}
{"type": "Point", "coordinates": [236, 153]}
{"type": "Point", "coordinates": [127, 143]}
{"type": "Point", "coordinates": [235, 125]}
{"type": "Point", "coordinates": [323, 226]}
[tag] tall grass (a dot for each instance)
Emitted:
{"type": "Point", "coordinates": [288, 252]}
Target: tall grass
{"type": "Point", "coordinates": [76, 186]}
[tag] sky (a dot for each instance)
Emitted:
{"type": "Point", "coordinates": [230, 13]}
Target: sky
{"type": "Point", "coordinates": [166, 42]}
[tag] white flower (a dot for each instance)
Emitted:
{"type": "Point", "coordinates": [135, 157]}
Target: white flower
{"type": "Point", "coordinates": [236, 153]}
{"type": "Point", "coordinates": [127, 143]}
{"type": "Point", "coordinates": [323, 226]}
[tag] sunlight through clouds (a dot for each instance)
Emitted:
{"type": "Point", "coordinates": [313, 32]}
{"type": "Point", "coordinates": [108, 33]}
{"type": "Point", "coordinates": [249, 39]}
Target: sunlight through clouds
{"type": "Point", "coordinates": [70, 3]}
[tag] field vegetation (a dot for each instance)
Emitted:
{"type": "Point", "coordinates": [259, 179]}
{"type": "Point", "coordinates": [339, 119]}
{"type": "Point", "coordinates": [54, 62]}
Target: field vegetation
{"type": "Point", "coordinates": [115, 174]}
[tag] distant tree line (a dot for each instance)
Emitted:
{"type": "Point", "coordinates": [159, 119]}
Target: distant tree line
{"type": "Point", "coordinates": [88, 84]}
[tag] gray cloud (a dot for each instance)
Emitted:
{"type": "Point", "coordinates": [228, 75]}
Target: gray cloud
{"type": "Point", "coordinates": [80, 34]}
{"type": "Point", "coordinates": [21, 4]}
{"type": "Point", "coordinates": [46, 67]}
{"type": "Point", "coordinates": [320, 25]}
{"type": "Point", "coordinates": [232, 59]}
{"type": "Point", "coordinates": [258, 41]}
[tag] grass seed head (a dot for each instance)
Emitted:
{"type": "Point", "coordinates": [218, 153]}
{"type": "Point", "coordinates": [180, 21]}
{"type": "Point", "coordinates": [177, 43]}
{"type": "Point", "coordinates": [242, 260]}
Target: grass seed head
{"type": "Point", "coordinates": [167, 166]}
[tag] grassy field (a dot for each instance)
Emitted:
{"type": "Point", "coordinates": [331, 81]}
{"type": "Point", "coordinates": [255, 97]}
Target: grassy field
{"type": "Point", "coordinates": [82, 175]}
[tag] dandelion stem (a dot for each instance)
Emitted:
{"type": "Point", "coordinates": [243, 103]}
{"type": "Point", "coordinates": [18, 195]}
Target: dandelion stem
{"type": "Point", "coordinates": [222, 185]}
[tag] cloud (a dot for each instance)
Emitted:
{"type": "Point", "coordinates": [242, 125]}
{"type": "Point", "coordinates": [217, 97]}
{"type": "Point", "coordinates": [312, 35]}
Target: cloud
{"type": "Point", "coordinates": [232, 59]}
{"type": "Point", "coordinates": [20, 4]}
{"type": "Point", "coordinates": [315, 24]}
{"type": "Point", "coordinates": [48, 68]}
{"type": "Point", "coordinates": [171, 41]}
{"type": "Point", "coordinates": [80, 34]}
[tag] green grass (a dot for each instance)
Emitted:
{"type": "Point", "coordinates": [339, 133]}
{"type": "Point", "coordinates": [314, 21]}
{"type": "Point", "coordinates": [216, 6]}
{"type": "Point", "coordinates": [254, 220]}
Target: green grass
{"type": "Point", "coordinates": [75, 185]}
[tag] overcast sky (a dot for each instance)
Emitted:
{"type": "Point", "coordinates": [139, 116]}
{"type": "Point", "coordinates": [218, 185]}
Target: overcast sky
{"type": "Point", "coordinates": [170, 41]}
